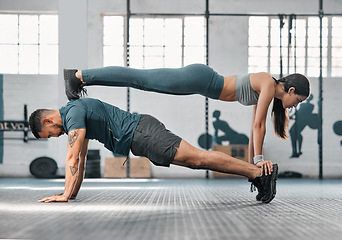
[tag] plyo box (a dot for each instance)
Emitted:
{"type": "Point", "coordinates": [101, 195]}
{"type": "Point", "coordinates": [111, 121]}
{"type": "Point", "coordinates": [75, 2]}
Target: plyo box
{"type": "Point", "coordinates": [139, 168]}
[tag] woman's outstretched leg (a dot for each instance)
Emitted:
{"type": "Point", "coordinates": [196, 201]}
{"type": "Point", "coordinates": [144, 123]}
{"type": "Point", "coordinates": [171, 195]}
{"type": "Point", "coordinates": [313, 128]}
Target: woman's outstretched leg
{"type": "Point", "coordinates": [192, 79]}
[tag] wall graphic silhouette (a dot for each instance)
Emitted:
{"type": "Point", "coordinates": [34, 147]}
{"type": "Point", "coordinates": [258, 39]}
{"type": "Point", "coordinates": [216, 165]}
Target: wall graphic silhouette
{"type": "Point", "coordinates": [223, 132]}
{"type": "Point", "coordinates": [303, 117]}
{"type": "Point", "coordinates": [338, 129]}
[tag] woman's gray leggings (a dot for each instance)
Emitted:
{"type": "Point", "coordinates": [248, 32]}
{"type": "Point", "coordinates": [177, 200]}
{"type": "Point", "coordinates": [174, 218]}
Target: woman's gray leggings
{"type": "Point", "coordinates": [192, 79]}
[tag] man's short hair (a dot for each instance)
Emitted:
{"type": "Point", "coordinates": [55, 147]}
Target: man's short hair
{"type": "Point", "coordinates": [35, 121]}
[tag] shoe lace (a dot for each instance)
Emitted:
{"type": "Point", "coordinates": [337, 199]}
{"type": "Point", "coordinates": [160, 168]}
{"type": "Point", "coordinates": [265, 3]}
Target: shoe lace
{"type": "Point", "coordinates": [253, 187]}
{"type": "Point", "coordinates": [83, 92]}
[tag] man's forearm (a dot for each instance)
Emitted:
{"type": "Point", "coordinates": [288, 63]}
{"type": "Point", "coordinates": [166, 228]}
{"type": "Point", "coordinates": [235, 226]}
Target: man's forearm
{"type": "Point", "coordinates": [79, 179]}
{"type": "Point", "coordinates": [71, 176]}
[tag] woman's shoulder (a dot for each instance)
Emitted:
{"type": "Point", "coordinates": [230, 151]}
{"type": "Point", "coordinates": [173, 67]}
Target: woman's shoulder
{"type": "Point", "coordinates": [262, 76]}
{"type": "Point", "coordinates": [261, 81]}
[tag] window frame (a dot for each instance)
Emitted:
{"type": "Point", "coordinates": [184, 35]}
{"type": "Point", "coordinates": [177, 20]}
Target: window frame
{"type": "Point", "coordinates": [163, 17]}
{"type": "Point", "coordinates": [327, 59]}
{"type": "Point", "coordinates": [38, 43]}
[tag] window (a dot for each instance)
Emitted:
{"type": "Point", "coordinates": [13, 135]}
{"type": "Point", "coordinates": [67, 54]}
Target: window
{"type": "Point", "coordinates": [155, 42]}
{"type": "Point", "coordinates": [336, 47]}
{"type": "Point", "coordinates": [113, 41]}
{"type": "Point", "coordinates": [258, 39]}
{"type": "Point", "coordinates": [300, 51]}
{"type": "Point", "coordinates": [30, 45]}
{"type": "Point", "coordinates": [313, 47]}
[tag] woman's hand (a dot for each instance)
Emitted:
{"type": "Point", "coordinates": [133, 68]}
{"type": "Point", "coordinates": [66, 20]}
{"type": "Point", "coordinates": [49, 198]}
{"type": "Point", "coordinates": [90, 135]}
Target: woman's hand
{"type": "Point", "coordinates": [267, 167]}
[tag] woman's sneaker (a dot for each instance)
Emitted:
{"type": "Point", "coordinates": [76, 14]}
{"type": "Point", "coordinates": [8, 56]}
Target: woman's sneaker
{"type": "Point", "coordinates": [266, 185]}
{"type": "Point", "coordinates": [256, 185]}
{"type": "Point", "coordinates": [270, 183]}
{"type": "Point", "coordinates": [73, 85]}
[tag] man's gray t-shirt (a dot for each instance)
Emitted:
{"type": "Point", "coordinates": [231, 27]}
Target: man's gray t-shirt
{"type": "Point", "coordinates": [106, 123]}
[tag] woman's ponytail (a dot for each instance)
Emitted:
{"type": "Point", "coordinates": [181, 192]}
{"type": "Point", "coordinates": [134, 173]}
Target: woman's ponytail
{"type": "Point", "coordinates": [280, 118]}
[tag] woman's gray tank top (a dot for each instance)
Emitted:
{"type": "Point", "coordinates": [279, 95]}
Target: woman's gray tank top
{"type": "Point", "coordinates": [244, 92]}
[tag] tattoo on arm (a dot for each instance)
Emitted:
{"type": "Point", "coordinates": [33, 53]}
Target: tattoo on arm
{"type": "Point", "coordinates": [73, 170]}
{"type": "Point", "coordinates": [72, 138]}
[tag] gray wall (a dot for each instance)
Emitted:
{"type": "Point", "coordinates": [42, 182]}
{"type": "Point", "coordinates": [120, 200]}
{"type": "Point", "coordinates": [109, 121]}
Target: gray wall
{"type": "Point", "coordinates": [80, 41]}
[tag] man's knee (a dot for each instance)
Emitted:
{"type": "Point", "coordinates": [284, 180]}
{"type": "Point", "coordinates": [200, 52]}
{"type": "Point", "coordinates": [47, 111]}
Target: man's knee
{"type": "Point", "coordinates": [189, 156]}
{"type": "Point", "coordinates": [197, 160]}
{"type": "Point", "coordinates": [195, 163]}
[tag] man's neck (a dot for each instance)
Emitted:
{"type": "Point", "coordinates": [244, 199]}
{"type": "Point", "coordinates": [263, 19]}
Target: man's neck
{"type": "Point", "coordinates": [56, 115]}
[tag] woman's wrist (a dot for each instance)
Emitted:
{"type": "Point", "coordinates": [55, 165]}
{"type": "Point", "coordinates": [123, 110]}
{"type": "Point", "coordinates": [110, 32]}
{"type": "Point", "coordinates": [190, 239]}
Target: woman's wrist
{"type": "Point", "coordinates": [258, 158]}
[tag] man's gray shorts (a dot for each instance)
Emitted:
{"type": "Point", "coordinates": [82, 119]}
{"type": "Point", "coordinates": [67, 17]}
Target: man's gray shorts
{"type": "Point", "coordinates": [152, 140]}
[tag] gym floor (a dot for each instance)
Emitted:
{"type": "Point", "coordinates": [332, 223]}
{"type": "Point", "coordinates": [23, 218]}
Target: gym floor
{"type": "Point", "coordinates": [171, 209]}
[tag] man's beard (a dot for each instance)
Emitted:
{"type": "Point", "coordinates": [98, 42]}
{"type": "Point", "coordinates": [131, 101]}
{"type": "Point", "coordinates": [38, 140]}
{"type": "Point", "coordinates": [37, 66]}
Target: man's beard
{"type": "Point", "coordinates": [60, 127]}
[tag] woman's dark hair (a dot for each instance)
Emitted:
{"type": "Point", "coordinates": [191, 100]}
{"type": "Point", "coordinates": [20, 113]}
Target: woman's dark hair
{"type": "Point", "coordinates": [280, 115]}
{"type": "Point", "coordinates": [35, 121]}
